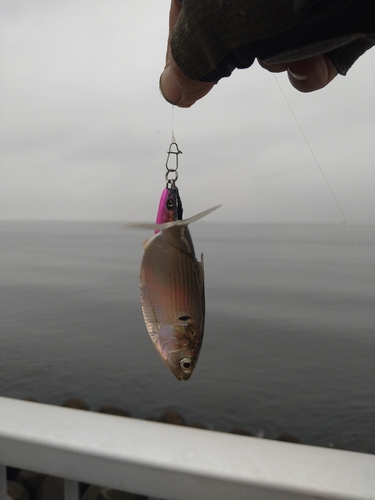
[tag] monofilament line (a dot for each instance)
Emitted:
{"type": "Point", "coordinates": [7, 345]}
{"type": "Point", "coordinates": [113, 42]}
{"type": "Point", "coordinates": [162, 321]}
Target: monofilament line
{"type": "Point", "coordinates": [173, 137]}
{"type": "Point", "coordinates": [327, 183]}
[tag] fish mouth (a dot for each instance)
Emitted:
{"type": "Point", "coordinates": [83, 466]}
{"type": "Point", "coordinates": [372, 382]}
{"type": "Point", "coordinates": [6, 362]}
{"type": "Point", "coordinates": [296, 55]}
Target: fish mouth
{"type": "Point", "coordinates": [177, 351]}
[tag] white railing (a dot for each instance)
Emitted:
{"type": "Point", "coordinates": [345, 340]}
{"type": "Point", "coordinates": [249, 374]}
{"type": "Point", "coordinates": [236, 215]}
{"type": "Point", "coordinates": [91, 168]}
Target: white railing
{"type": "Point", "coordinates": [173, 462]}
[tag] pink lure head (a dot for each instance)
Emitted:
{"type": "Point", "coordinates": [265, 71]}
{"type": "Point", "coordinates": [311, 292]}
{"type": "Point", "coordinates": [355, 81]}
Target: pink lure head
{"type": "Point", "coordinates": [170, 207]}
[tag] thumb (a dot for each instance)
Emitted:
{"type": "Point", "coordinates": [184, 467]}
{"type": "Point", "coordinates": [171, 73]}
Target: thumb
{"type": "Point", "coordinates": [174, 85]}
{"type": "Point", "coordinates": [177, 89]}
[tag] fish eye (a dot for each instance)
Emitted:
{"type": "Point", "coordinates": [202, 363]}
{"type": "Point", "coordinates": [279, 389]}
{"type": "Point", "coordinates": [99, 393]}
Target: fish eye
{"type": "Point", "coordinates": [169, 205]}
{"type": "Point", "coordinates": [186, 364]}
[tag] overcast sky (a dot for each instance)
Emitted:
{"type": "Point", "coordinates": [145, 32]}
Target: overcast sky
{"type": "Point", "coordinates": [85, 131]}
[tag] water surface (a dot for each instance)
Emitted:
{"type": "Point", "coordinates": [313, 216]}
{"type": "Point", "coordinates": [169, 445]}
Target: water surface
{"type": "Point", "coordinates": [290, 331]}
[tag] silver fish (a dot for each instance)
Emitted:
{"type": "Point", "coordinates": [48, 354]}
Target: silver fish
{"type": "Point", "coordinates": [172, 294]}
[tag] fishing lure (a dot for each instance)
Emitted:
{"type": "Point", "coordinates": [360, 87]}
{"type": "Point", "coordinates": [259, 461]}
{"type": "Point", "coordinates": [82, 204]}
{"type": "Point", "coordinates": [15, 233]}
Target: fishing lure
{"type": "Point", "coordinates": [172, 282]}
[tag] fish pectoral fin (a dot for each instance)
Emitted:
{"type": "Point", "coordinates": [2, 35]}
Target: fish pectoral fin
{"type": "Point", "coordinates": [141, 225]}
{"type": "Point", "coordinates": [185, 222]}
{"type": "Point", "coordinates": [167, 225]}
{"type": "Point", "coordinates": [199, 216]}
{"type": "Point", "coordinates": [147, 242]}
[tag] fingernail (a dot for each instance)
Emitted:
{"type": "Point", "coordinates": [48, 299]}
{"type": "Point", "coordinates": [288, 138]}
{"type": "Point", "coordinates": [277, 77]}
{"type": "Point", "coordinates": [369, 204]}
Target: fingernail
{"type": "Point", "coordinates": [167, 88]}
{"type": "Point", "coordinates": [296, 76]}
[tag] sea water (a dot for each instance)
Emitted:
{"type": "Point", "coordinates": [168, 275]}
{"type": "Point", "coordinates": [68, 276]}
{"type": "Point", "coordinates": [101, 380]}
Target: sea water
{"type": "Point", "coordinates": [289, 341]}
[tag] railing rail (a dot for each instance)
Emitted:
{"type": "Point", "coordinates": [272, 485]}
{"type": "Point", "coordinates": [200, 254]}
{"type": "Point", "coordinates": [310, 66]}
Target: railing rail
{"type": "Point", "coordinates": [172, 462]}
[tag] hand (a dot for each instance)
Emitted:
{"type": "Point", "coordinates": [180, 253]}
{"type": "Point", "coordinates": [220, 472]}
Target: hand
{"type": "Point", "coordinates": [174, 85]}
{"type": "Point", "coordinates": [306, 75]}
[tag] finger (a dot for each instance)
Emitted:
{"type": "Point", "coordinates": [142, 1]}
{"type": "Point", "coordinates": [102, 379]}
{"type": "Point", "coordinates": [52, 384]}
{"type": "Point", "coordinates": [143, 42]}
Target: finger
{"type": "Point", "coordinates": [175, 87]}
{"type": "Point", "coordinates": [306, 75]}
{"type": "Point", "coordinates": [274, 68]}
{"type": "Point", "coordinates": [311, 74]}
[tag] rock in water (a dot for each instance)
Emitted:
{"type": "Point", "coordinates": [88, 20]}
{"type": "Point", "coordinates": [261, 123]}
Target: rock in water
{"type": "Point", "coordinates": [100, 493]}
{"type": "Point", "coordinates": [30, 480]}
{"type": "Point", "coordinates": [172, 417]}
{"type": "Point", "coordinates": [113, 410]}
{"type": "Point", "coordinates": [288, 438]}
{"type": "Point", "coordinates": [52, 488]}
{"type": "Point", "coordinates": [75, 403]}
{"type": "Point", "coordinates": [16, 491]}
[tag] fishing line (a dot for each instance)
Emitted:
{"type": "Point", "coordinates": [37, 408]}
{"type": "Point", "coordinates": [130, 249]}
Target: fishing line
{"type": "Point", "coordinates": [173, 137]}
{"type": "Point", "coordinates": [327, 183]}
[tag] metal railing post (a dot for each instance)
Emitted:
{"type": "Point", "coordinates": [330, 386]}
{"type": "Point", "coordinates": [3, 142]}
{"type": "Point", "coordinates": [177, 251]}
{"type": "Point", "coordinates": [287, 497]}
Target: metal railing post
{"type": "Point", "coordinates": [3, 482]}
{"type": "Point", "coordinates": [71, 490]}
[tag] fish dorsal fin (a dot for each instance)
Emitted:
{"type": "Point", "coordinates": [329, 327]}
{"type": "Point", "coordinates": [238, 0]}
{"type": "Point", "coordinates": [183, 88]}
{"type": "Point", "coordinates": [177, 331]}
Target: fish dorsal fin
{"type": "Point", "coordinates": [167, 225]}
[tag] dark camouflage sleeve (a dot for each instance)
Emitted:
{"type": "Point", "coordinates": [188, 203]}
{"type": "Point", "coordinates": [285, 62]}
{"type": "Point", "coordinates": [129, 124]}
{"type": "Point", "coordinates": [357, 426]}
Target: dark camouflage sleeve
{"type": "Point", "coordinates": [213, 37]}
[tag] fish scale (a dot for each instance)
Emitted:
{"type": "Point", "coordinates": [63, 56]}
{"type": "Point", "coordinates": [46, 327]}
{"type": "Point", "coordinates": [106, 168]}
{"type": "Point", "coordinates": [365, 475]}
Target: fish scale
{"type": "Point", "coordinates": [173, 283]}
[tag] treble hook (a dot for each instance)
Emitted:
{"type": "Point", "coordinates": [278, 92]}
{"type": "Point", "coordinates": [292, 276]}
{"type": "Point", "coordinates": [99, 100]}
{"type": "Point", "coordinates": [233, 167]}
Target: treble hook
{"type": "Point", "coordinates": [171, 181]}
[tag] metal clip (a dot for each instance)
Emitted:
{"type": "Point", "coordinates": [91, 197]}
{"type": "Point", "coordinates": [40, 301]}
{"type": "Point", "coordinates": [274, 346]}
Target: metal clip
{"type": "Point", "coordinates": [171, 175]}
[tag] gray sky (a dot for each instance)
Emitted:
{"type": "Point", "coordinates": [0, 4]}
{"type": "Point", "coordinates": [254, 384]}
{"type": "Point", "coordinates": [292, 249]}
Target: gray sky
{"type": "Point", "coordinates": [84, 130]}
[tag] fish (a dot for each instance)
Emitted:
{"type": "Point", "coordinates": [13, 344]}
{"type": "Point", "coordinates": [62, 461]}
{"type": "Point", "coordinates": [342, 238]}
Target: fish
{"type": "Point", "coordinates": [172, 290]}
